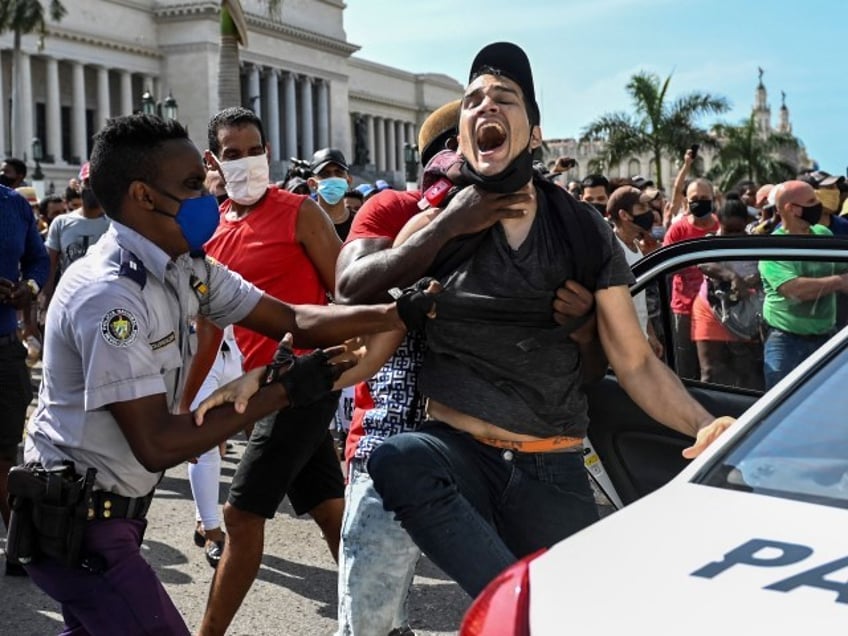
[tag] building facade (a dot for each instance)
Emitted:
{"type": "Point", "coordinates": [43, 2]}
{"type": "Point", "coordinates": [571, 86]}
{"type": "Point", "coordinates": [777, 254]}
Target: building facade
{"type": "Point", "coordinates": [297, 71]}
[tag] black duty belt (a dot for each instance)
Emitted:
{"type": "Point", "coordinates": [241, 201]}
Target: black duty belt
{"type": "Point", "coordinates": [108, 505]}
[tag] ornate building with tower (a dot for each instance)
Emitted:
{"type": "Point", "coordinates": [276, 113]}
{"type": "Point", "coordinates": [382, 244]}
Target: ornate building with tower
{"type": "Point", "coordinates": [642, 165]}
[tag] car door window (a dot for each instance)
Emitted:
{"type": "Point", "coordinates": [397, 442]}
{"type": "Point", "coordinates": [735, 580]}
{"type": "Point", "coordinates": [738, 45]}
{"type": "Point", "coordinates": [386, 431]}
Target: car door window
{"type": "Point", "coordinates": [743, 323]}
{"type": "Point", "coordinates": [799, 450]}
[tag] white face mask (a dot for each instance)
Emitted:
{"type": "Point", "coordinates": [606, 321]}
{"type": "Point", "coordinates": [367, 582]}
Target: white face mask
{"type": "Point", "coordinates": [247, 179]}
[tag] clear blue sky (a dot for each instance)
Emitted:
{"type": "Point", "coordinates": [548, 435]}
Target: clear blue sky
{"type": "Point", "coordinates": [584, 51]}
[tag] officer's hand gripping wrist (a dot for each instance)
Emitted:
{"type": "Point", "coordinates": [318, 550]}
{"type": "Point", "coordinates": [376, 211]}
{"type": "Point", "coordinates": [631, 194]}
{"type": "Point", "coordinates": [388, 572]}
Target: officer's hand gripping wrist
{"type": "Point", "coordinates": [306, 378]}
{"type": "Point", "coordinates": [415, 304]}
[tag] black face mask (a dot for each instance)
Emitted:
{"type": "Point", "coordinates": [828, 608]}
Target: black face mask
{"type": "Point", "coordinates": [811, 214]}
{"type": "Point", "coordinates": [514, 177]}
{"type": "Point", "coordinates": [700, 209]}
{"type": "Point", "coordinates": [89, 201]}
{"type": "Point", "coordinates": [600, 207]}
{"type": "Point", "coordinates": [645, 221]}
{"type": "Point", "coordinates": [6, 181]}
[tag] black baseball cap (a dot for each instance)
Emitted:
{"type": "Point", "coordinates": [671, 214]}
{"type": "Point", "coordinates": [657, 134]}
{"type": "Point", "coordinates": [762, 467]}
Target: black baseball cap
{"type": "Point", "coordinates": [322, 158]}
{"type": "Point", "coordinates": [641, 182]}
{"type": "Point", "coordinates": [511, 61]}
{"type": "Point", "coordinates": [819, 178]}
{"type": "Point", "coordinates": [826, 179]}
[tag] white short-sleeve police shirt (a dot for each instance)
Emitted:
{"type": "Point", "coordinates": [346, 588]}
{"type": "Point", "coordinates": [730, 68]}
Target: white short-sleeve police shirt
{"type": "Point", "coordinates": [118, 329]}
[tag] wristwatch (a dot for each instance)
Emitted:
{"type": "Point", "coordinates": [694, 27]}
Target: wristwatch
{"type": "Point", "coordinates": [33, 287]}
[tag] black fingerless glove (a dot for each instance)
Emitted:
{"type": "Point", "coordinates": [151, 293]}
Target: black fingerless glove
{"type": "Point", "coordinates": [413, 304]}
{"type": "Point", "coordinates": [306, 378]}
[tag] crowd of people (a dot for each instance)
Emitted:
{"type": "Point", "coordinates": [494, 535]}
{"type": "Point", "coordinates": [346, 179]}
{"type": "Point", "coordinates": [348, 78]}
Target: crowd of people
{"type": "Point", "coordinates": [743, 323]}
{"type": "Point", "coordinates": [183, 298]}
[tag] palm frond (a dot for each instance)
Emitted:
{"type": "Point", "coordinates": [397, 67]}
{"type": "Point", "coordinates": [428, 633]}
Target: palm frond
{"type": "Point", "coordinates": [696, 105]}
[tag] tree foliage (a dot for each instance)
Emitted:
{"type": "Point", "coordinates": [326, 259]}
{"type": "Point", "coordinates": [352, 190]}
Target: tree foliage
{"type": "Point", "coordinates": [658, 125]}
{"type": "Point", "coordinates": [29, 16]}
{"type": "Point", "coordinates": [233, 34]}
{"type": "Point", "coordinates": [745, 153]}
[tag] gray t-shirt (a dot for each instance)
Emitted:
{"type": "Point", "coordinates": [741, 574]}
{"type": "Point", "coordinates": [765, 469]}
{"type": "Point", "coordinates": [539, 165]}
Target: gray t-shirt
{"type": "Point", "coordinates": [72, 234]}
{"type": "Point", "coordinates": [475, 365]}
{"type": "Point", "coordinates": [118, 329]}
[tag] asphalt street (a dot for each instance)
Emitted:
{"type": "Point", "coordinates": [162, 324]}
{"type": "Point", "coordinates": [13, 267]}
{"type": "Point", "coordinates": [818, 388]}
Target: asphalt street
{"type": "Point", "coordinates": [294, 594]}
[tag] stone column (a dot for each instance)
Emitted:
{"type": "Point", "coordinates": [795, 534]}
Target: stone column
{"type": "Point", "coordinates": [410, 134]}
{"type": "Point", "coordinates": [273, 93]}
{"type": "Point", "coordinates": [291, 115]}
{"type": "Point", "coordinates": [4, 133]}
{"type": "Point", "coordinates": [401, 141]}
{"type": "Point", "coordinates": [307, 129]}
{"type": "Point", "coordinates": [22, 127]}
{"type": "Point", "coordinates": [79, 145]}
{"type": "Point", "coordinates": [391, 143]}
{"type": "Point", "coordinates": [53, 143]}
{"type": "Point", "coordinates": [127, 106]}
{"type": "Point", "coordinates": [149, 85]}
{"type": "Point", "coordinates": [380, 144]}
{"type": "Point", "coordinates": [254, 92]}
{"type": "Point", "coordinates": [323, 114]}
{"type": "Point", "coordinates": [372, 145]}
{"type": "Point", "coordinates": [103, 106]}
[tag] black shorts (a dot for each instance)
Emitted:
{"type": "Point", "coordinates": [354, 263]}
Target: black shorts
{"type": "Point", "coordinates": [15, 393]}
{"type": "Point", "coordinates": [291, 454]}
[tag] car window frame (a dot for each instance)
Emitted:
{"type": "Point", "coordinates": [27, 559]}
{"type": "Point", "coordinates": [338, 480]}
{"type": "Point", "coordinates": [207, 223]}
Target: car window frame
{"type": "Point", "coordinates": [661, 264]}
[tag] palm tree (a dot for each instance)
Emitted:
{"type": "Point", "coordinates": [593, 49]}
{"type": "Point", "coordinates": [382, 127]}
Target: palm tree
{"type": "Point", "coordinates": [745, 153]}
{"type": "Point", "coordinates": [233, 34]}
{"type": "Point", "coordinates": [657, 126]}
{"type": "Point", "coordinates": [23, 17]}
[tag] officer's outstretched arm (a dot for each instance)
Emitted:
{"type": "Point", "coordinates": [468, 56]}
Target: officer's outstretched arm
{"type": "Point", "coordinates": [160, 440]}
{"type": "Point", "coordinates": [320, 325]}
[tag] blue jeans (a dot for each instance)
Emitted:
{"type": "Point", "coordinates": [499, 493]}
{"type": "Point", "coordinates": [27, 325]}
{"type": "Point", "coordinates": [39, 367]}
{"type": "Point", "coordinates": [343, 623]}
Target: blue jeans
{"type": "Point", "coordinates": [474, 509]}
{"type": "Point", "coordinates": [784, 351]}
{"type": "Point", "coordinates": [377, 562]}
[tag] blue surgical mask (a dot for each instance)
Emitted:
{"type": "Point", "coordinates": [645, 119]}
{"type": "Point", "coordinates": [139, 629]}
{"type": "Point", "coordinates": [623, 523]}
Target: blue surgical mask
{"type": "Point", "coordinates": [332, 189]}
{"type": "Point", "coordinates": [197, 217]}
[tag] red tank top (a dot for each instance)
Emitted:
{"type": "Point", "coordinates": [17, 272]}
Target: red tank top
{"type": "Point", "coordinates": [263, 248]}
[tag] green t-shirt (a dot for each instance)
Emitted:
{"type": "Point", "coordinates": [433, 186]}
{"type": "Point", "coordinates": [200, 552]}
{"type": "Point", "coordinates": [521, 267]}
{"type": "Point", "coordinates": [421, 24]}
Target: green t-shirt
{"type": "Point", "coordinates": [803, 317]}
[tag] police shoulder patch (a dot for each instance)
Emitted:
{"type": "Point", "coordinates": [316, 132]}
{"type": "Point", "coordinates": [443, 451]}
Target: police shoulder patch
{"type": "Point", "coordinates": [119, 327]}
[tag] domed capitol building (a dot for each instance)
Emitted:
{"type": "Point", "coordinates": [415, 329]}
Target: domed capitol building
{"type": "Point", "coordinates": [297, 70]}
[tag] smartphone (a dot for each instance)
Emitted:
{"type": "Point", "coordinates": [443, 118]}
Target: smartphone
{"type": "Point", "coordinates": [694, 148]}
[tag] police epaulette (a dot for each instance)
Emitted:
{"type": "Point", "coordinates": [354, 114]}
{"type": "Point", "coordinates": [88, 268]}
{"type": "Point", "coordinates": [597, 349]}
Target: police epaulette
{"type": "Point", "coordinates": [133, 268]}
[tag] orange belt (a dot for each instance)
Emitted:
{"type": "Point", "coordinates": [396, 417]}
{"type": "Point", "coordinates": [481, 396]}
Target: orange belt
{"type": "Point", "coordinates": [547, 445]}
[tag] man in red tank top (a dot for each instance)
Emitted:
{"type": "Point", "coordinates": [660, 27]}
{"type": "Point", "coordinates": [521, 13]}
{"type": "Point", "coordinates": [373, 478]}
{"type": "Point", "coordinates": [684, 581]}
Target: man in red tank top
{"type": "Point", "coordinates": [287, 246]}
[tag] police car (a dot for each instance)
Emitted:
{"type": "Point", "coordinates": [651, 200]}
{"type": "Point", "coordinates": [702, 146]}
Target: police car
{"type": "Point", "coordinates": [749, 538]}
